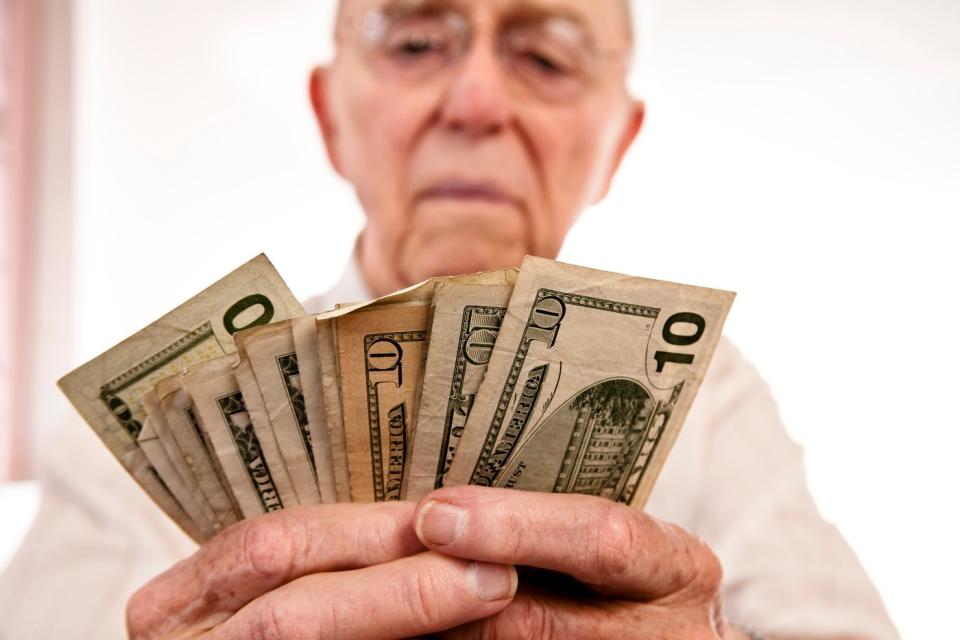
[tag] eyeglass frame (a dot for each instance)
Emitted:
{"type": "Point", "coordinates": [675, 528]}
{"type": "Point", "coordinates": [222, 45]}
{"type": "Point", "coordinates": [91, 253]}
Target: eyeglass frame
{"type": "Point", "coordinates": [373, 27]}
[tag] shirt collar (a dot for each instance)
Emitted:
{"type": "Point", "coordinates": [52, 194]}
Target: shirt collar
{"type": "Point", "coordinates": [350, 288]}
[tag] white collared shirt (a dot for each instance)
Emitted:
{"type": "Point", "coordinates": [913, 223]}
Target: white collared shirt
{"type": "Point", "coordinates": [734, 478]}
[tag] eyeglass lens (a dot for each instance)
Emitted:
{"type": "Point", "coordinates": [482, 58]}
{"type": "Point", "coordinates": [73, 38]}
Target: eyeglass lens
{"type": "Point", "coordinates": [550, 57]}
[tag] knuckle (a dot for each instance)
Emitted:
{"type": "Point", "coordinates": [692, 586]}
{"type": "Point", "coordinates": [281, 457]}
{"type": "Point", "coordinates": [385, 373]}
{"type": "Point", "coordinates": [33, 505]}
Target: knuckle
{"type": "Point", "coordinates": [616, 540]}
{"type": "Point", "coordinates": [515, 538]}
{"type": "Point", "coordinates": [527, 618]}
{"type": "Point", "coordinates": [709, 568]}
{"type": "Point", "coordinates": [700, 572]}
{"type": "Point", "coordinates": [268, 547]}
{"type": "Point", "coordinates": [704, 632]}
{"type": "Point", "coordinates": [150, 613]}
{"type": "Point", "coordinates": [138, 613]}
{"type": "Point", "coordinates": [291, 616]}
{"type": "Point", "coordinates": [268, 624]}
{"type": "Point", "coordinates": [696, 632]}
{"type": "Point", "coordinates": [382, 541]}
{"type": "Point", "coordinates": [421, 594]}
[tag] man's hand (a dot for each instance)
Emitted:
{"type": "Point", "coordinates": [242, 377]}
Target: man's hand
{"type": "Point", "coordinates": [334, 571]}
{"type": "Point", "coordinates": [638, 577]}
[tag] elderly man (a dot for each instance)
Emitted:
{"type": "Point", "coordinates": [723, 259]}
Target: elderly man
{"type": "Point", "coordinates": [474, 133]}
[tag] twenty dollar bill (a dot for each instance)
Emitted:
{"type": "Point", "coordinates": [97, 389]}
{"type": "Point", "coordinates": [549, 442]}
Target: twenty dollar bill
{"type": "Point", "coordinates": [107, 390]}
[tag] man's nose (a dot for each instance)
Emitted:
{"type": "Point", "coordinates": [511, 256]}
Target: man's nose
{"type": "Point", "coordinates": [477, 102]}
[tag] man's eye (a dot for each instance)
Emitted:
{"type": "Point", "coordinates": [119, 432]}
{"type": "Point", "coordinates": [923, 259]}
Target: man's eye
{"type": "Point", "coordinates": [545, 63]}
{"type": "Point", "coordinates": [417, 46]}
{"type": "Point", "coordinates": [543, 58]}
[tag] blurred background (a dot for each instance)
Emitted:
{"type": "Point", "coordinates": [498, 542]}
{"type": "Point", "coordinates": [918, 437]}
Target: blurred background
{"type": "Point", "coordinates": [803, 153]}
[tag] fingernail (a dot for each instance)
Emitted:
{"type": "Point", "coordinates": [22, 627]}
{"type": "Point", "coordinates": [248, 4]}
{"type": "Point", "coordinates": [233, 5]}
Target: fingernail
{"type": "Point", "coordinates": [493, 581]}
{"type": "Point", "coordinates": [440, 523]}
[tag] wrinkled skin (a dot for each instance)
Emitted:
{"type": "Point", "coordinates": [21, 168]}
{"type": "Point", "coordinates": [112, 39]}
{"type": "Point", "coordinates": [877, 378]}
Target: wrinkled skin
{"type": "Point", "coordinates": [403, 570]}
{"type": "Point", "coordinates": [393, 141]}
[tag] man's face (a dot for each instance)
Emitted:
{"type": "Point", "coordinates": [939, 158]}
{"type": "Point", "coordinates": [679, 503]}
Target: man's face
{"type": "Point", "coordinates": [475, 132]}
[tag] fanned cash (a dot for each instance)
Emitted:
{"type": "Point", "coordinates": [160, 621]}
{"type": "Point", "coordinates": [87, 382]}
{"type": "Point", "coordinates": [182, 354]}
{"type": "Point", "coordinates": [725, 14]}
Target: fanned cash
{"type": "Point", "coordinates": [464, 327]}
{"type": "Point", "coordinates": [106, 391]}
{"type": "Point", "coordinates": [551, 378]}
{"type": "Point", "coordinates": [590, 379]}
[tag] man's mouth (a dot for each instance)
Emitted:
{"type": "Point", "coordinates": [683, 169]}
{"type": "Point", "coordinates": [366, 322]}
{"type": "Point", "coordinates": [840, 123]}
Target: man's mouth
{"type": "Point", "coordinates": [467, 190]}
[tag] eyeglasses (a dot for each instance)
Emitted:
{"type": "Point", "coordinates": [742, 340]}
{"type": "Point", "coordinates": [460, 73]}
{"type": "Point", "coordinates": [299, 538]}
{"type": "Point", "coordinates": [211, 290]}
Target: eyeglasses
{"type": "Point", "coordinates": [549, 58]}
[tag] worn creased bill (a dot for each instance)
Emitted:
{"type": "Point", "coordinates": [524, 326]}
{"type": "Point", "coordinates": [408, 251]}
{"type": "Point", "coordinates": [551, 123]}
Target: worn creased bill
{"type": "Point", "coordinates": [333, 405]}
{"type": "Point", "coordinates": [464, 325]}
{"type": "Point", "coordinates": [273, 358]}
{"type": "Point", "coordinates": [160, 462]}
{"type": "Point", "coordinates": [167, 458]}
{"type": "Point", "coordinates": [256, 411]}
{"type": "Point", "coordinates": [590, 379]}
{"type": "Point", "coordinates": [106, 391]}
{"type": "Point", "coordinates": [381, 350]}
{"type": "Point", "coordinates": [198, 453]}
{"type": "Point", "coordinates": [223, 413]}
{"type": "Point", "coordinates": [307, 347]}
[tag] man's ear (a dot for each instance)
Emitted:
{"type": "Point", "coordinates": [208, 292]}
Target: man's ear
{"type": "Point", "coordinates": [631, 129]}
{"type": "Point", "coordinates": [319, 99]}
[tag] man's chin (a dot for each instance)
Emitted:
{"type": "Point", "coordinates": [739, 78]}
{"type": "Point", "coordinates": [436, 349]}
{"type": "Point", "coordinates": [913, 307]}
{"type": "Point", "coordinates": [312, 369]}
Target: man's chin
{"type": "Point", "coordinates": [450, 259]}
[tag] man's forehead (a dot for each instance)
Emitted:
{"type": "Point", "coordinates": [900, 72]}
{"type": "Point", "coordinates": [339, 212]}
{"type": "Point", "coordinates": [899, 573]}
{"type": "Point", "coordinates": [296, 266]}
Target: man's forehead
{"type": "Point", "coordinates": [602, 18]}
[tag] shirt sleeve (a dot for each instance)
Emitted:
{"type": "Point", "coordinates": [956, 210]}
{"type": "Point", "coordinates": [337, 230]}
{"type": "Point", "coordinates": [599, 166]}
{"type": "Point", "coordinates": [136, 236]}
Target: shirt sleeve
{"type": "Point", "coordinates": [787, 571]}
{"type": "Point", "coordinates": [96, 539]}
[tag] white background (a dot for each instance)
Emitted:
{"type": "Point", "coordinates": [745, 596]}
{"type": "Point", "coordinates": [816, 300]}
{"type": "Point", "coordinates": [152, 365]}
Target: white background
{"type": "Point", "coordinates": [803, 153]}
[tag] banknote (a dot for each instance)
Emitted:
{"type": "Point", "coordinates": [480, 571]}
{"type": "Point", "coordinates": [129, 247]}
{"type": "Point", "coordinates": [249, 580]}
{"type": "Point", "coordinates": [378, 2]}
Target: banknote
{"type": "Point", "coordinates": [333, 405]}
{"type": "Point", "coordinates": [214, 391]}
{"type": "Point", "coordinates": [151, 404]}
{"type": "Point", "coordinates": [380, 351]}
{"type": "Point", "coordinates": [463, 327]}
{"type": "Point", "coordinates": [160, 462]}
{"type": "Point", "coordinates": [256, 411]}
{"type": "Point", "coordinates": [106, 391]}
{"type": "Point", "coordinates": [590, 379]}
{"type": "Point", "coordinates": [198, 453]}
{"type": "Point", "coordinates": [307, 346]}
{"type": "Point", "coordinates": [273, 358]}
